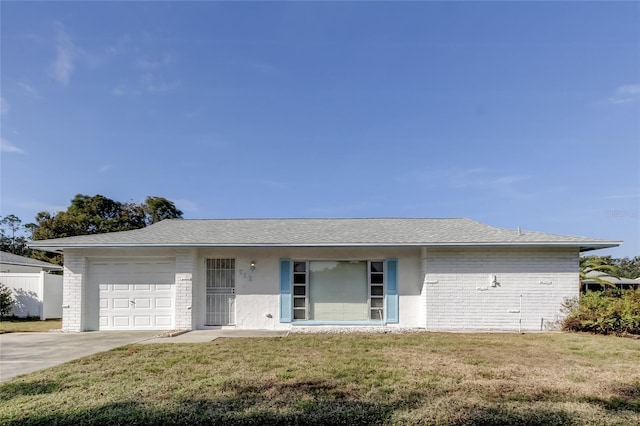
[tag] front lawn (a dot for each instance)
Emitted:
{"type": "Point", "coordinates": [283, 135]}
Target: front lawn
{"type": "Point", "coordinates": [21, 325]}
{"type": "Point", "coordinates": [422, 378]}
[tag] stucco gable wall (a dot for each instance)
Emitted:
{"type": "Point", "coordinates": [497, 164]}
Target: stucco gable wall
{"type": "Point", "coordinates": [258, 291]}
{"type": "Point", "coordinates": [458, 294]}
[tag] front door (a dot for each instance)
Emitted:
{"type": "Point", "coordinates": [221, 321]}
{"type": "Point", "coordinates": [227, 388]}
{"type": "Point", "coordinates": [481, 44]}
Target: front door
{"type": "Point", "coordinates": [221, 291]}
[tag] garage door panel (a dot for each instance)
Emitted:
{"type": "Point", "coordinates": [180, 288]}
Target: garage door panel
{"type": "Point", "coordinates": [121, 321]}
{"type": "Point", "coordinates": [163, 322]}
{"type": "Point", "coordinates": [164, 302]}
{"type": "Point", "coordinates": [141, 303]}
{"type": "Point", "coordinates": [134, 294]}
{"type": "Point", "coordinates": [142, 321]}
{"type": "Point", "coordinates": [120, 303]}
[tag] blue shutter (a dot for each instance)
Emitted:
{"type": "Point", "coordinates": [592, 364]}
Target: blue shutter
{"type": "Point", "coordinates": [392, 291]}
{"type": "Point", "coordinates": [285, 290]}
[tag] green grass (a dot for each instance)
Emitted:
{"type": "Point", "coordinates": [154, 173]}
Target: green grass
{"type": "Point", "coordinates": [422, 378]}
{"type": "Point", "coordinates": [22, 325]}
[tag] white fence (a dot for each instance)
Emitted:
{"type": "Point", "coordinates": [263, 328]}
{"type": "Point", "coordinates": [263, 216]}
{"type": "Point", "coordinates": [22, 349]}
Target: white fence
{"type": "Point", "coordinates": [36, 294]}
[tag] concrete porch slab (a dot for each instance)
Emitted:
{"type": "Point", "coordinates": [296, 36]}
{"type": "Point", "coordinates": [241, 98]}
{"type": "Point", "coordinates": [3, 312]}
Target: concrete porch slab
{"type": "Point", "coordinates": [204, 336]}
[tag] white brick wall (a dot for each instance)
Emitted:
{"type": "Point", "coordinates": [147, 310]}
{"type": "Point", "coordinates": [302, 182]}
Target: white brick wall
{"type": "Point", "coordinates": [75, 267]}
{"type": "Point", "coordinates": [457, 293]}
{"type": "Point", "coordinates": [185, 271]}
{"type": "Point", "coordinates": [440, 288]}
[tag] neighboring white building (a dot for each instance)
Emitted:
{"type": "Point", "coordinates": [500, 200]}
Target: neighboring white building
{"type": "Point", "coordinates": [435, 274]}
{"type": "Point", "coordinates": [36, 292]}
{"type": "Point", "coordinates": [13, 263]}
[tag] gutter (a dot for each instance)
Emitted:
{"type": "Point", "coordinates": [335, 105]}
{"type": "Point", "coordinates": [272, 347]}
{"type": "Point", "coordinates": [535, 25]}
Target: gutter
{"type": "Point", "coordinates": [583, 246]}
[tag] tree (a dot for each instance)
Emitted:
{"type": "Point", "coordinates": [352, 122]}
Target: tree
{"type": "Point", "coordinates": [628, 267]}
{"type": "Point", "coordinates": [30, 228]}
{"type": "Point", "coordinates": [5, 242]}
{"type": "Point", "coordinates": [157, 209]}
{"type": "Point", "coordinates": [98, 214]}
{"type": "Point", "coordinates": [13, 223]}
{"type": "Point", "coordinates": [86, 215]}
{"type": "Point", "coordinates": [11, 239]}
{"type": "Point", "coordinates": [6, 301]}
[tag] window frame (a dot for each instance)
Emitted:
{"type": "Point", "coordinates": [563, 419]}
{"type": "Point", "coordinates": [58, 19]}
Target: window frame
{"type": "Point", "coordinates": [383, 297]}
{"type": "Point", "coordinates": [371, 284]}
{"type": "Point", "coordinates": [305, 297]}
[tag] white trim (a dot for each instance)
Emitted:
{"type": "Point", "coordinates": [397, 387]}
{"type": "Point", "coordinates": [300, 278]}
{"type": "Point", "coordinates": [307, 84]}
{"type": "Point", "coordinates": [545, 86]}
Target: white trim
{"type": "Point", "coordinates": [582, 245]}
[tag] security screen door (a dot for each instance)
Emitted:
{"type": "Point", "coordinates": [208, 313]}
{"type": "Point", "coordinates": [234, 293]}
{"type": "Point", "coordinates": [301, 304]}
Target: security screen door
{"type": "Point", "coordinates": [221, 291]}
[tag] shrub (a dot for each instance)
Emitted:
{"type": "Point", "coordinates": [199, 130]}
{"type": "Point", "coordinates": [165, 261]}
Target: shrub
{"type": "Point", "coordinates": [6, 301]}
{"type": "Point", "coordinates": [607, 312]}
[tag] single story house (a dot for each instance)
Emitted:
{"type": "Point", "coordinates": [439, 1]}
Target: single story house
{"type": "Point", "coordinates": [593, 282]}
{"type": "Point", "coordinates": [435, 274]}
{"type": "Point", "coordinates": [36, 291]}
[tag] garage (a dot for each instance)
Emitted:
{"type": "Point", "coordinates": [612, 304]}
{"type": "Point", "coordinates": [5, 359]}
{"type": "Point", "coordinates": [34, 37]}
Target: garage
{"type": "Point", "coordinates": [133, 294]}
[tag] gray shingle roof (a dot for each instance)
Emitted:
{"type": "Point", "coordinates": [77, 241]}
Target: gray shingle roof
{"type": "Point", "coordinates": [320, 232]}
{"type": "Point", "coordinates": [14, 259]}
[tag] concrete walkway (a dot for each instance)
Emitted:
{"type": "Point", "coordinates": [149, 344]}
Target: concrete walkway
{"type": "Point", "coordinates": [204, 336]}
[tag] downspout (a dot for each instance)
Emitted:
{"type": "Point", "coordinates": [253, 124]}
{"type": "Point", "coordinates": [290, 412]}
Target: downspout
{"type": "Point", "coordinates": [423, 274]}
{"type": "Point", "coordinates": [520, 317]}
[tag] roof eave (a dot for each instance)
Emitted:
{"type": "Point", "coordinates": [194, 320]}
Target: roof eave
{"type": "Point", "coordinates": [590, 247]}
{"type": "Point", "coordinates": [583, 246]}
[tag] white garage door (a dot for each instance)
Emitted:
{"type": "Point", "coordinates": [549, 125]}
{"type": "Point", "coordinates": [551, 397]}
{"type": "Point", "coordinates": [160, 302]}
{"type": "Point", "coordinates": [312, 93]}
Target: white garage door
{"type": "Point", "coordinates": [134, 294]}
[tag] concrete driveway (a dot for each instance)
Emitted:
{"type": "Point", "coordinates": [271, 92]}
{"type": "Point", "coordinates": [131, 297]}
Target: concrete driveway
{"type": "Point", "coordinates": [22, 353]}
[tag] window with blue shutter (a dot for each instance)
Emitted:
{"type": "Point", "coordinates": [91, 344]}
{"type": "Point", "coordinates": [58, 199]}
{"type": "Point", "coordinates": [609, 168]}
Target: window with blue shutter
{"type": "Point", "coordinates": [392, 291]}
{"type": "Point", "coordinates": [285, 290]}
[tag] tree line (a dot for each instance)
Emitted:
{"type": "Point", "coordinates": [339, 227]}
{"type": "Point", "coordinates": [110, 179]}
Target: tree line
{"type": "Point", "coordinates": [85, 215]}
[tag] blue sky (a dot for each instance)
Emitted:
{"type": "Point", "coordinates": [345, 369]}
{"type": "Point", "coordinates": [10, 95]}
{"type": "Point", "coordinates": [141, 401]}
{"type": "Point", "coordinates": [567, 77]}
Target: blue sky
{"type": "Point", "coordinates": [510, 113]}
